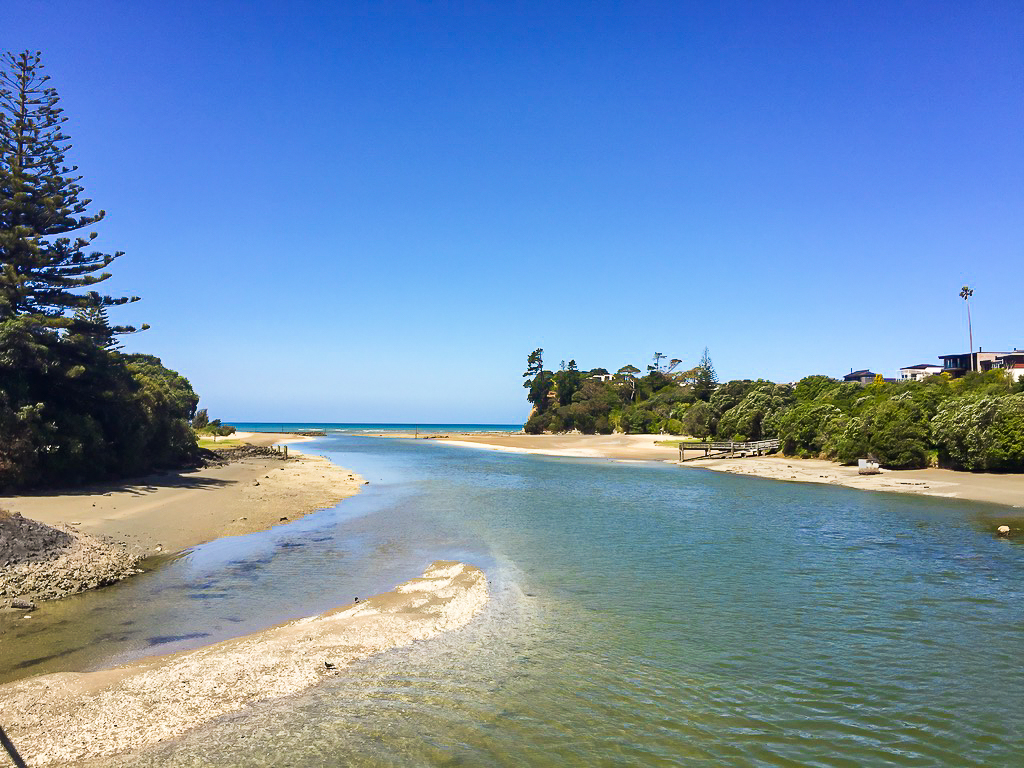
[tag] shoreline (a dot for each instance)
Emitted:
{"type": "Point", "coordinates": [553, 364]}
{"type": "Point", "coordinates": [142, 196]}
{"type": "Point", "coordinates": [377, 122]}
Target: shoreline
{"type": "Point", "coordinates": [67, 716]}
{"type": "Point", "coordinates": [1003, 489]}
{"type": "Point", "coordinates": [171, 512]}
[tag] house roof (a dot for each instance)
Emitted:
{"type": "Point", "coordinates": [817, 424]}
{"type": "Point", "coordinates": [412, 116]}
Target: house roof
{"type": "Point", "coordinates": [919, 366]}
{"type": "Point", "coordinates": [859, 374]}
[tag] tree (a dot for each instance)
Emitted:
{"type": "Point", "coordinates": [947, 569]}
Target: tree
{"type": "Point", "coordinates": [93, 324]}
{"type": "Point", "coordinates": [42, 271]}
{"type": "Point", "coordinates": [538, 381]}
{"type": "Point", "coordinates": [72, 408]}
{"type": "Point", "coordinates": [706, 379]}
{"type": "Point", "coordinates": [629, 372]}
{"type": "Point", "coordinates": [201, 419]}
{"type": "Point", "coordinates": [656, 366]}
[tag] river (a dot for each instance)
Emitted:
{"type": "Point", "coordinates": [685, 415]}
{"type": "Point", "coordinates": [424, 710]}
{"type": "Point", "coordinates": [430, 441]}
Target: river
{"type": "Point", "coordinates": [641, 614]}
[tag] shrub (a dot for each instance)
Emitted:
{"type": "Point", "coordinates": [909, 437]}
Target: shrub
{"type": "Point", "coordinates": [985, 434]}
{"type": "Point", "coordinates": [674, 427]}
{"type": "Point", "coordinates": [699, 420]}
{"type": "Point", "coordinates": [803, 429]}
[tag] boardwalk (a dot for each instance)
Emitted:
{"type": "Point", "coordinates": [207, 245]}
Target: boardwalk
{"type": "Point", "coordinates": [726, 449]}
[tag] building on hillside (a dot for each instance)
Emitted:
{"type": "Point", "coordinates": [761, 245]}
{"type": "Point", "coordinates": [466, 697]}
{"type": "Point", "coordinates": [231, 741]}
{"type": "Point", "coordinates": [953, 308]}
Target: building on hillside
{"type": "Point", "coordinates": [1012, 363]}
{"type": "Point", "coordinates": [603, 376]}
{"type": "Point", "coordinates": [861, 377]}
{"type": "Point", "coordinates": [958, 365]}
{"type": "Point", "coordinates": [918, 372]}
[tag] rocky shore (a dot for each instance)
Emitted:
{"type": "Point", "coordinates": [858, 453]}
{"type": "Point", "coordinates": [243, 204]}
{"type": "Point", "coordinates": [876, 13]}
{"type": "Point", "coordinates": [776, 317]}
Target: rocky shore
{"type": "Point", "coordinates": [42, 562]}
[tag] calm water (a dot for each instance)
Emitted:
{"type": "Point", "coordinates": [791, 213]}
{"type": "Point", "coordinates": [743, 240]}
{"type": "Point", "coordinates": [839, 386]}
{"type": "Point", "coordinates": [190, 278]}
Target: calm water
{"type": "Point", "coordinates": [641, 615]}
{"type": "Point", "coordinates": [366, 429]}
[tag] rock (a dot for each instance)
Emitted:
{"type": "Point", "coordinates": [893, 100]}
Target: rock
{"type": "Point", "coordinates": [283, 519]}
{"type": "Point", "coordinates": [1004, 530]}
{"type": "Point", "coordinates": [22, 604]}
{"type": "Point", "coordinates": [255, 482]}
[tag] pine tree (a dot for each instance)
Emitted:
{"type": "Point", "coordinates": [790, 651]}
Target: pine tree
{"type": "Point", "coordinates": [93, 324]}
{"type": "Point", "coordinates": [41, 268]}
{"type": "Point", "coordinates": [706, 380]}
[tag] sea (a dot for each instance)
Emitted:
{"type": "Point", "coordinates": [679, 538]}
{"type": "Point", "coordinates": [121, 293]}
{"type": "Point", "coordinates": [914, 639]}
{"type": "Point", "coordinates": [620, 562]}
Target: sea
{"type": "Point", "coordinates": [371, 429]}
{"type": "Point", "coordinates": [641, 614]}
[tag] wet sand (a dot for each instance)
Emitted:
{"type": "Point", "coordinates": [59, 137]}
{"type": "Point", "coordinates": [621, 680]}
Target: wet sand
{"type": "Point", "coordinates": [67, 717]}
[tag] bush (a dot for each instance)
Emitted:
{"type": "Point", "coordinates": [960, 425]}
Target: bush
{"type": "Point", "coordinates": [699, 420]}
{"type": "Point", "coordinates": [674, 427]}
{"type": "Point", "coordinates": [803, 429]}
{"type": "Point", "coordinates": [756, 416]}
{"type": "Point", "coordinates": [636, 420]}
{"type": "Point", "coordinates": [900, 435]}
{"type": "Point", "coordinates": [985, 434]}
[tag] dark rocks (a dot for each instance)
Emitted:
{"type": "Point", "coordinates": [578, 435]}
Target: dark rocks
{"type": "Point", "coordinates": [45, 563]}
{"type": "Point", "coordinates": [239, 452]}
{"type": "Point", "coordinates": [29, 541]}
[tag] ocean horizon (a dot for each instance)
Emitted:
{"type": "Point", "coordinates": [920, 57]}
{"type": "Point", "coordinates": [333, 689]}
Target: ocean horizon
{"type": "Point", "coordinates": [362, 428]}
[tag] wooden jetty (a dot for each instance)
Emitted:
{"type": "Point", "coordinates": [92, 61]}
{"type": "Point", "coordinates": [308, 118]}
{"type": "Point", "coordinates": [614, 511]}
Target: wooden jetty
{"type": "Point", "coordinates": [727, 450]}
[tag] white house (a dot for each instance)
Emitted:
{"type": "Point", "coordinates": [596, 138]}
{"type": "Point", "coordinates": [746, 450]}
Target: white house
{"type": "Point", "coordinates": [918, 372]}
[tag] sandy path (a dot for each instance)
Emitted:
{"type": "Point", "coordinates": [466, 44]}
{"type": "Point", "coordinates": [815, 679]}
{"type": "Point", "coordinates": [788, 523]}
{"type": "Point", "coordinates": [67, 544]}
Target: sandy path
{"type": "Point", "coordinates": [66, 717]}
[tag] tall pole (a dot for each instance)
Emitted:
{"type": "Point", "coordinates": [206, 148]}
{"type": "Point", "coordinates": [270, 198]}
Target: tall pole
{"type": "Point", "coordinates": [965, 294]}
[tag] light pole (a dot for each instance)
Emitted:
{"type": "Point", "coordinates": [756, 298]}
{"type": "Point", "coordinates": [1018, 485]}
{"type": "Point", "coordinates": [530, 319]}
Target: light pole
{"type": "Point", "coordinates": [965, 294]}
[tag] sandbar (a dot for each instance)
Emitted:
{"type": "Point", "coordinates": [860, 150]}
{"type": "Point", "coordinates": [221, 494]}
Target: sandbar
{"type": "Point", "coordinates": [67, 716]}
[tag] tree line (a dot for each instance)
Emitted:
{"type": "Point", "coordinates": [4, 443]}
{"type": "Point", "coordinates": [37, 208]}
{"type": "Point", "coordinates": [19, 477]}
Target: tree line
{"type": "Point", "coordinates": [73, 406]}
{"type": "Point", "coordinates": [973, 423]}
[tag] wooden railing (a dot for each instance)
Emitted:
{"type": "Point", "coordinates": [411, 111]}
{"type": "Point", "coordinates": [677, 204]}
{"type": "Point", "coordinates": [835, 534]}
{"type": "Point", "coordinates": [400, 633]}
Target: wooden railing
{"type": "Point", "coordinates": [728, 449]}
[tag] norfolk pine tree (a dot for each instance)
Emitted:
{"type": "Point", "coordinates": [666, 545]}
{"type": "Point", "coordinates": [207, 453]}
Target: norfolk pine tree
{"type": "Point", "coordinates": [41, 267]}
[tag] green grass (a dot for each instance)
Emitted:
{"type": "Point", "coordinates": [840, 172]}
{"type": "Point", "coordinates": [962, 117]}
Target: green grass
{"type": "Point", "coordinates": [219, 442]}
{"type": "Point", "coordinates": [675, 443]}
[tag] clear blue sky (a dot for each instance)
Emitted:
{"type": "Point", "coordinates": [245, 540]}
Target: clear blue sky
{"type": "Point", "coordinates": [363, 212]}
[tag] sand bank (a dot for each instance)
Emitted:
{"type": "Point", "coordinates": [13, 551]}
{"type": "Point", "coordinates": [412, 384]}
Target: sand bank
{"type": "Point", "coordinates": [65, 717]}
{"type": "Point", "coordinates": [636, 447]}
{"type": "Point", "coordinates": [973, 486]}
{"type": "Point", "coordinates": [173, 511]}
{"type": "Point", "coordinates": [1006, 489]}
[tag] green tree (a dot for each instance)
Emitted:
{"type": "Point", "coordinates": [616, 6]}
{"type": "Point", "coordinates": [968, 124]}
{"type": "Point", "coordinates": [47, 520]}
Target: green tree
{"type": "Point", "coordinates": [43, 270]}
{"type": "Point", "coordinates": [628, 373]}
{"type": "Point", "coordinates": [538, 381]}
{"type": "Point", "coordinates": [706, 379]}
{"type": "Point", "coordinates": [201, 419]}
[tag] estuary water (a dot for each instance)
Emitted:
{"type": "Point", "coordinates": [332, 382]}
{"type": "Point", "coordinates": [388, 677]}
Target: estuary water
{"type": "Point", "coordinates": [641, 614]}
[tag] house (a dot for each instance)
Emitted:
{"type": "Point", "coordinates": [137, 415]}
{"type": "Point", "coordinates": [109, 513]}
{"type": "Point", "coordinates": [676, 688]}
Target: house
{"type": "Point", "coordinates": [919, 372]}
{"type": "Point", "coordinates": [1012, 363]}
{"type": "Point", "coordinates": [957, 365]}
{"type": "Point", "coordinates": [861, 377]}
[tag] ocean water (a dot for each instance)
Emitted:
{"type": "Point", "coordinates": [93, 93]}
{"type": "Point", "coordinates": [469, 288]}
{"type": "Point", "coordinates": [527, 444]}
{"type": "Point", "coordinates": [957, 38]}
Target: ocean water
{"type": "Point", "coordinates": [369, 429]}
{"type": "Point", "coordinates": [641, 614]}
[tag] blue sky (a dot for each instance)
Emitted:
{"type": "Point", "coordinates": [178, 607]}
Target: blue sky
{"type": "Point", "coordinates": [374, 212]}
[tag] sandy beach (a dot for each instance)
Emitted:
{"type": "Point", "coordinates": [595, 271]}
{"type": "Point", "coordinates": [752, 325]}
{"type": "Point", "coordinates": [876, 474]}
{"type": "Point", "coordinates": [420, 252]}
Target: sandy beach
{"type": "Point", "coordinates": [66, 717]}
{"type": "Point", "coordinates": [1005, 489]}
{"type": "Point", "coordinates": [172, 511]}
